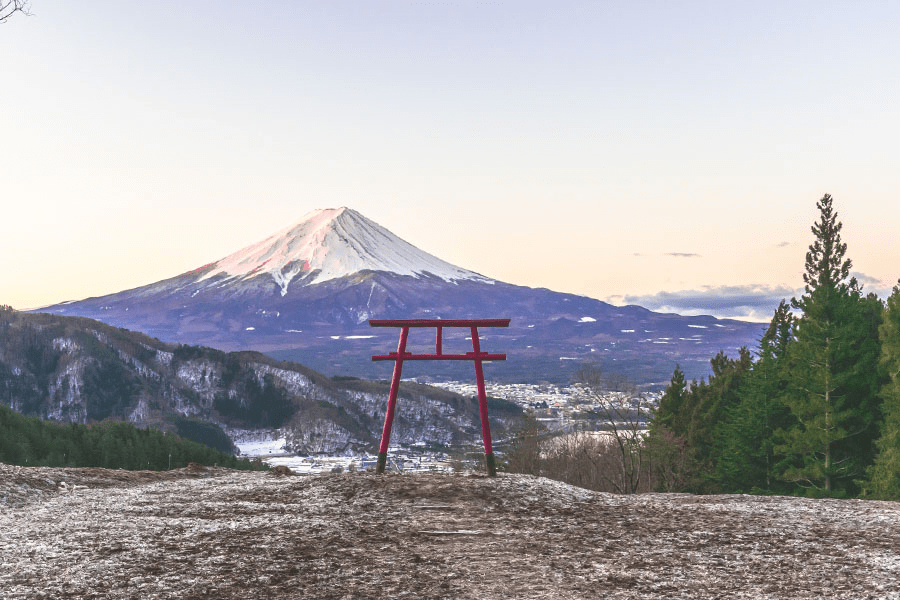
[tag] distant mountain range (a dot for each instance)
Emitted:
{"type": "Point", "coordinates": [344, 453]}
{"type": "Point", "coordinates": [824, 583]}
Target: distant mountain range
{"type": "Point", "coordinates": [306, 293]}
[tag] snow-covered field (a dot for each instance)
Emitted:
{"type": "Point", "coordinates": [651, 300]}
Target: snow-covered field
{"type": "Point", "coordinates": [262, 447]}
{"type": "Point", "coordinates": [270, 448]}
{"type": "Point", "coordinates": [214, 533]}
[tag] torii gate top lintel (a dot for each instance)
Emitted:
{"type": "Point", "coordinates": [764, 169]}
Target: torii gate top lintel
{"type": "Point", "coordinates": [439, 322]}
{"type": "Point", "coordinates": [439, 325]}
{"type": "Point", "coordinates": [401, 355]}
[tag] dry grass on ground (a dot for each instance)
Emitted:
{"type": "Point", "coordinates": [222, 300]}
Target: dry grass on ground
{"type": "Point", "coordinates": [214, 533]}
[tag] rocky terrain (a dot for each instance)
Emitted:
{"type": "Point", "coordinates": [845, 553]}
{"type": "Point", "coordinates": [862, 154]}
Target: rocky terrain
{"type": "Point", "coordinates": [212, 533]}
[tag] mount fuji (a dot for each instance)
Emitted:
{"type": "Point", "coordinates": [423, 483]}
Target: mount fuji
{"type": "Point", "coordinates": [326, 245]}
{"type": "Point", "coordinates": [306, 293]}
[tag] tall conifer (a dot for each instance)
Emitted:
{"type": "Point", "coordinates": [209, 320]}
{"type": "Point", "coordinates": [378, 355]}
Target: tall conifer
{"type": "Point", "coordinates": [884, 475]}
{"type": "Point", "coordinates": [671, 412]}
{"type": "Point", "coordinates": [747, 460]}
{"type": "Point", "coordinates": [831, 363]}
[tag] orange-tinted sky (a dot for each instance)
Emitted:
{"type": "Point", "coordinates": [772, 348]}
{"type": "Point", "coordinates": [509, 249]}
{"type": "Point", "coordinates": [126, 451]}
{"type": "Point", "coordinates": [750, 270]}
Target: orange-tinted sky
{"type": "Point", "coordinates": [668, 154]}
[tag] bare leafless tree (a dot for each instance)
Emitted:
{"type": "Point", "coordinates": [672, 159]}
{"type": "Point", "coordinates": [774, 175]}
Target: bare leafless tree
{"type": "Point", "coordinates": [623, 412]}
{"type": "Point", "coordinates": [616, 457]}
{"type": "Point", "coordinates": [10, 7]}
{"type": "Point", "coordinates": [587, 459]}
{"type": "Point", "coordinates": [524, 453]}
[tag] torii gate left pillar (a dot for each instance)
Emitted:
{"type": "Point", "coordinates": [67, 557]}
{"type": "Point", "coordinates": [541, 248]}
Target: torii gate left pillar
{"type": "Point", "coordinates": [401, 355]}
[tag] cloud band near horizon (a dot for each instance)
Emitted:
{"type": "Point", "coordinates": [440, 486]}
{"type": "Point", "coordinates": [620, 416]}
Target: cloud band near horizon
{"type": "Point", "coordinates": [745, 302]}
{"type": "Point", "coordinates": [753, 302]}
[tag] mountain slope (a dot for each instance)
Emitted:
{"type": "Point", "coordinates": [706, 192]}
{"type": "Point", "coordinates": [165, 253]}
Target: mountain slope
{"type": "Point", "coordinates": [79, 370]}
{"type": "Point", "coordinates": [306, 293]}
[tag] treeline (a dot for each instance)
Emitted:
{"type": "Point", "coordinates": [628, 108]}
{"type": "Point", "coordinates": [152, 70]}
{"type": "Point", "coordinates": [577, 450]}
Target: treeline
{"type": "Point", "coordinates": [113, 445]}
{"type": "Point", "coordinates": [816, 411]}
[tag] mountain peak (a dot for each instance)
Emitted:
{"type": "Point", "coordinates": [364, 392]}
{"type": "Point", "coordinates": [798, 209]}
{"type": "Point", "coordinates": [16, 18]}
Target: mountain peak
{"type": "Point", "coordinates": [328, 244]}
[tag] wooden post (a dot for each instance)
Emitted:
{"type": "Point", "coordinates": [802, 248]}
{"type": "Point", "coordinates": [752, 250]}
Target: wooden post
{"type": "Point", "coordinates": [392, 402]}
{"type": "Point", "coordinates": [490, 465]}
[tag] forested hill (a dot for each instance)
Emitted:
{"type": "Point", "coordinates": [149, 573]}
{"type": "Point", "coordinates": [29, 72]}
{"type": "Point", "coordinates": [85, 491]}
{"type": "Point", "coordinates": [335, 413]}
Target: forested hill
{"type": "Point", "coordinates": [817, 411]}
{"type": "Point", "coordinates": [78, 370]}
{"type": "Point", "coordinates": [32, 442]}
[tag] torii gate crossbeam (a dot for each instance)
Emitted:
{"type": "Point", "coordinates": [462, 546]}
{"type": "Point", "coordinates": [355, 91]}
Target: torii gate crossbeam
{"type": "Point", "coordinates": [401, 355]}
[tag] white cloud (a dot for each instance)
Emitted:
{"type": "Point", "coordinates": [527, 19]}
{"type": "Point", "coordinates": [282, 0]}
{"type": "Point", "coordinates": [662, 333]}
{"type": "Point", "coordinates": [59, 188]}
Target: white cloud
{"type": "Point", "coordinates": [753, 302]}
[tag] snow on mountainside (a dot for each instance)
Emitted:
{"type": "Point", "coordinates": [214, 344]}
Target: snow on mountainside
{"type": "Point", "coordinates": [328, 244]}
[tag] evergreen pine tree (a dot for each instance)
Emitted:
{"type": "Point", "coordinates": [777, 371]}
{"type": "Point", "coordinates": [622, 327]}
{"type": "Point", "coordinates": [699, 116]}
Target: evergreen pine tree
{"type": "Point", "coordinates": [715, 403]}
{"type": "Point", "coordinates": [691, 417]}
{"type": "Point", "coordinates": [884, 474]}
{"type": "Point", "coordinates": [669, 412]}
{"type": "Point", "coordinates": [747, 459]}
{"type": "Point", "coordinates": [828, 362]}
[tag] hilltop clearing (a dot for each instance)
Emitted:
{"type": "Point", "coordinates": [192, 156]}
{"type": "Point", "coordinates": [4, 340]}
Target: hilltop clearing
{"type": "Point", "coordinates": [215, 533]}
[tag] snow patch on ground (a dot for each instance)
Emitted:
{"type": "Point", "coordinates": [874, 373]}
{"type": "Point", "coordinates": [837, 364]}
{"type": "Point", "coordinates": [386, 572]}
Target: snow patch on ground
{"type": "Point", "coordinates": [263, 447]}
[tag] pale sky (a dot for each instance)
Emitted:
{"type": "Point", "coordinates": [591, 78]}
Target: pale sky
{"type": "Point", "coordinates": [668, 154]}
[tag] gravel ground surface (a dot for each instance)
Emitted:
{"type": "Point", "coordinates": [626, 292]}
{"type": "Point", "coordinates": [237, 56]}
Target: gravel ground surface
{"type": "Point", "coordinates": [215, 533]}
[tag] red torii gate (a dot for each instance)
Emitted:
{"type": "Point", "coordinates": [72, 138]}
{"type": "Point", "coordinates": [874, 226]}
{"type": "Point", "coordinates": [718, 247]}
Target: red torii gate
{"type": "Point", "coordinates": [401, 355]}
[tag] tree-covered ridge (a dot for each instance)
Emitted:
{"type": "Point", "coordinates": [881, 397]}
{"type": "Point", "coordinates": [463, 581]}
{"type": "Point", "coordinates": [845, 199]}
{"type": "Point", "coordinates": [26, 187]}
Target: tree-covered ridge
{"type": "Point", "coordinates": [72, 369]}
{"type": "Point", "coordinates": [817, 410]}
{"type": "Point", "coordinates": [80, 370]}
{"type": "Point", "coordinates": [112, 445]}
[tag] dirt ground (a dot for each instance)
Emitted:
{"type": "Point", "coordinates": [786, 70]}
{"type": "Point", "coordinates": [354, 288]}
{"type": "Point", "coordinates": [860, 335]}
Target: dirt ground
{"type": "Point", "coordinates": [215, 533]}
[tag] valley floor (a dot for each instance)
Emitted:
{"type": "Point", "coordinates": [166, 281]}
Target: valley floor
{"type": "Point", "coordinates": [214, 533]}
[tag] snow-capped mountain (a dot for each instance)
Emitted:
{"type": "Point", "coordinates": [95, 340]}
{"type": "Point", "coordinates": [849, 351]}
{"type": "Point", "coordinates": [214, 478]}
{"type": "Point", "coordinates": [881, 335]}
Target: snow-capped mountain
{"type": "Point", "coordinates": [329, 244]}
{"type": "Point", "coordinates": [306, 294]}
